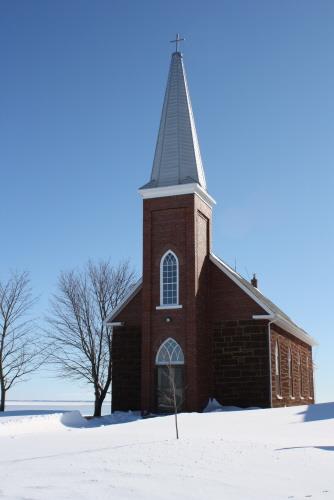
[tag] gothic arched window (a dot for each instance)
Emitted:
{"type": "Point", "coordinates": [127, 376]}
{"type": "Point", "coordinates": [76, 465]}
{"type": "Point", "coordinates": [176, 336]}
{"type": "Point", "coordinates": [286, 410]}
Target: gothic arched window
{"type": "Point", "coordinates": [169, 353]}
{"type": "Point", "coordinates": [290, 373]}
{"type": "Point", "coordinates": [277, 369]}
{"type": "Point", "coordinates": [170, 376]}
{"type": "Point", "coordinates": [310, 377]}
{"type": "Point", "coordinates": [169, 279]}
{"type": "Point", "coordinates": [301, 382]}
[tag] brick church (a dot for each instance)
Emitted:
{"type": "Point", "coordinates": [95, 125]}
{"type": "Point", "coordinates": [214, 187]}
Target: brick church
{"type": "Point", "coordinates": [192, 318]}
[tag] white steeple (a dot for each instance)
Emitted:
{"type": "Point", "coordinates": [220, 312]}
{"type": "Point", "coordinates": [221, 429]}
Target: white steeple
{"type": "Point", "coordinates": [177, 159]}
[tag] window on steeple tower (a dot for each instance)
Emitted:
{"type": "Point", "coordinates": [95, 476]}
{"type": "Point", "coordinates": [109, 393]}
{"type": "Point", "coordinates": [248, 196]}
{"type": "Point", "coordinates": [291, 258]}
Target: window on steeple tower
{"type": "Point", "coordinates": [169, 280]}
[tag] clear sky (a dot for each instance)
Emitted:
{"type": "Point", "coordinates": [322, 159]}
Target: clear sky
{"type": "Point", "coordinates": [81, 91]}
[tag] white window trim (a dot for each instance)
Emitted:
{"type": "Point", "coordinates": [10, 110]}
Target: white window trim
{"type": "Point", "coordinates": [169, 306]}
{"type": "Point", "coordinates": [159, 363]}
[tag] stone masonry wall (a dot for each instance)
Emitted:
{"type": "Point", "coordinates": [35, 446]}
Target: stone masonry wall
{"type": "Point", "coordinates": [126, 372]}
{"type": "Point", "coordinates": [241, 363]}
{"type": "Point", "coordinates": [296, 387]}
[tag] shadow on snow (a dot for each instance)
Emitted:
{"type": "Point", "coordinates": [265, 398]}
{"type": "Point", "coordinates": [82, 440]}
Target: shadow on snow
{"type": "Point", "coordinates": [326, 448]}
{"type": "Point", "coordinates": [321, 411]}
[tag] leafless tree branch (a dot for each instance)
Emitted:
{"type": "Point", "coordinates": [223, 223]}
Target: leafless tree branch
{"type": "Point", "coordinates": [80, 341]}
{"type": "Point", "coordinates": [20, 354]}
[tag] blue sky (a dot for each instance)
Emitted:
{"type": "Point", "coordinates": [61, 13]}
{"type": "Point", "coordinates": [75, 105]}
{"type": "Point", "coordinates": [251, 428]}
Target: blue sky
{"type": "Point", "coordinates": [81, 91]}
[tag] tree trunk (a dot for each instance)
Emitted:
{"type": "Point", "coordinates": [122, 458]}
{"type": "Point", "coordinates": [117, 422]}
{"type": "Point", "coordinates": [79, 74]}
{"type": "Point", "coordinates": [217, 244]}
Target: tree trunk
{"type": "Point", "coordinates": [99, 398]}
{"type": "Point", "coordinates": [98, 406]}
{"type": "Point", "coordinates": [3, 398]}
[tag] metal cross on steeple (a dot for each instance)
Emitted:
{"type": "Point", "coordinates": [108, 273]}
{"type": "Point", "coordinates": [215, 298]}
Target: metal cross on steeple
{"type": "Point", "coordinates": [177, 41]}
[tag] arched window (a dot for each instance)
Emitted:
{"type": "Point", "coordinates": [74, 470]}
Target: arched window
{"type": "Point", "coordinates": [301, 382]}
{"type": "Point", "coordinates": [169, 279]}
{"type": "Point", "coordinates": [169, 353]}
{"type": "Point", "coordinates": [170, 377]}
{"type": "Point", "coordinates": [277, 369]}
{"type": "Point", "coordinates": [290, 373]}
{"type": "Point", "coordinates": [310, 377]}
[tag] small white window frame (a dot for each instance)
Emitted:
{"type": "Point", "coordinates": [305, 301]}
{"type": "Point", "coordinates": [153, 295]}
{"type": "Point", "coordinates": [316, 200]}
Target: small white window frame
{"type": "Point", "coordinates": [177, 305]}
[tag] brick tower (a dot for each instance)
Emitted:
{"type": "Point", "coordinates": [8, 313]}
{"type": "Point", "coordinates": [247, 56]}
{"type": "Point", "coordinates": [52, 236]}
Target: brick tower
{"type": "Point", "coordinates": [177, 227]}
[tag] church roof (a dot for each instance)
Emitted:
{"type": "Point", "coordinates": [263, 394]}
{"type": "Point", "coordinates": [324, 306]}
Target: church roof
{"type": "Point", "coordinates": [177, 158]}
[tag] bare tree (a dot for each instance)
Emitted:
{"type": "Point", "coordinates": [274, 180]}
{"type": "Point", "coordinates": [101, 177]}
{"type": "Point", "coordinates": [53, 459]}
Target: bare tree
{"type": "Point", "coordinates": [20, 354]}
{"type": "Point", "coordinates": [80, 339]}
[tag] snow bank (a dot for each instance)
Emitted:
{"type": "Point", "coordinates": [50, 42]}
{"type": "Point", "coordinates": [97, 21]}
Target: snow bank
{"type": "Point", "coordinates": [118, 417]}
{"type": "Point", "coordinates": [14, 425]}
{"type": "Point", "coordinates": [271, 454]}
{"type": "Point", "coordinates": [214, 406]}
{"type": "Point", "coordinates": [73, 419]}
{"type": "Point", "coordinates": [36, 424]}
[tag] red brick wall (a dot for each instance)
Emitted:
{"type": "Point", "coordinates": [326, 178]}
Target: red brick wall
{"type": "Point", "coordinates": [175, 223]}
{"type": "Point", "coordinates": [203, 348]}
{"type": "Point", "coordinates": [227, 300]}
{"type": "Point", "coordinates": [241, 363]}
{"type": "Point", "coordinates": [126, 357]}
{"type": "Point", "coordinates": [302, 375]}
{"type": "Point", "coordinates": [132, 312]}
{"type": "Point", "coordinates": [126, 373]}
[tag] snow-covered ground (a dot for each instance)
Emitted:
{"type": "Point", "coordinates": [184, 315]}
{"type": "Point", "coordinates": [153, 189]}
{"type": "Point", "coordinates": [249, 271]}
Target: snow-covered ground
{"type": "Point", "coordinates": [283, 453]}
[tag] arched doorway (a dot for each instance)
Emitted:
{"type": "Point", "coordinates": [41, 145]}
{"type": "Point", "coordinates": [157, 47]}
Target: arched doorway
{"type": "Point", "coordinates": [170, 377]}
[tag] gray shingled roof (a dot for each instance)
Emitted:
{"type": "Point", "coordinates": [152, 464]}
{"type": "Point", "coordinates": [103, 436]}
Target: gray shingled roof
{"type": "Point", "coordinates": [177, 158]}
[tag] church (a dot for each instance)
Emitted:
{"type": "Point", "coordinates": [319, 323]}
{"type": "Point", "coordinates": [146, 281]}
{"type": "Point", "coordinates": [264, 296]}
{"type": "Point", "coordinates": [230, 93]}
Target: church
{"type": "Point", "coordinates": [191, 321]}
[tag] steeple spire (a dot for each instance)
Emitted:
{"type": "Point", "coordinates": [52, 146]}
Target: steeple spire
{"type": "Point", "coordinates": [177, 158]}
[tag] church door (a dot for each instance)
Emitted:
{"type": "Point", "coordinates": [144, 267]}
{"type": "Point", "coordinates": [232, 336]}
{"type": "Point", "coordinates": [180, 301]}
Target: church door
{"type": "Point", "coordinates": [170, 377]}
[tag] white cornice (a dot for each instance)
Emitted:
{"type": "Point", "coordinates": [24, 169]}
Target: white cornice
{"type": "Point", "coordinates": [289, 327]}
{"type": "Point", "coordinates": [295, 330]}
{"type": "Point", "coordinates": [179, 189]}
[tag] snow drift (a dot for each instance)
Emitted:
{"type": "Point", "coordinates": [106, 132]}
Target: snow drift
{"type": "Point", "coordinates": [238, 455]}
